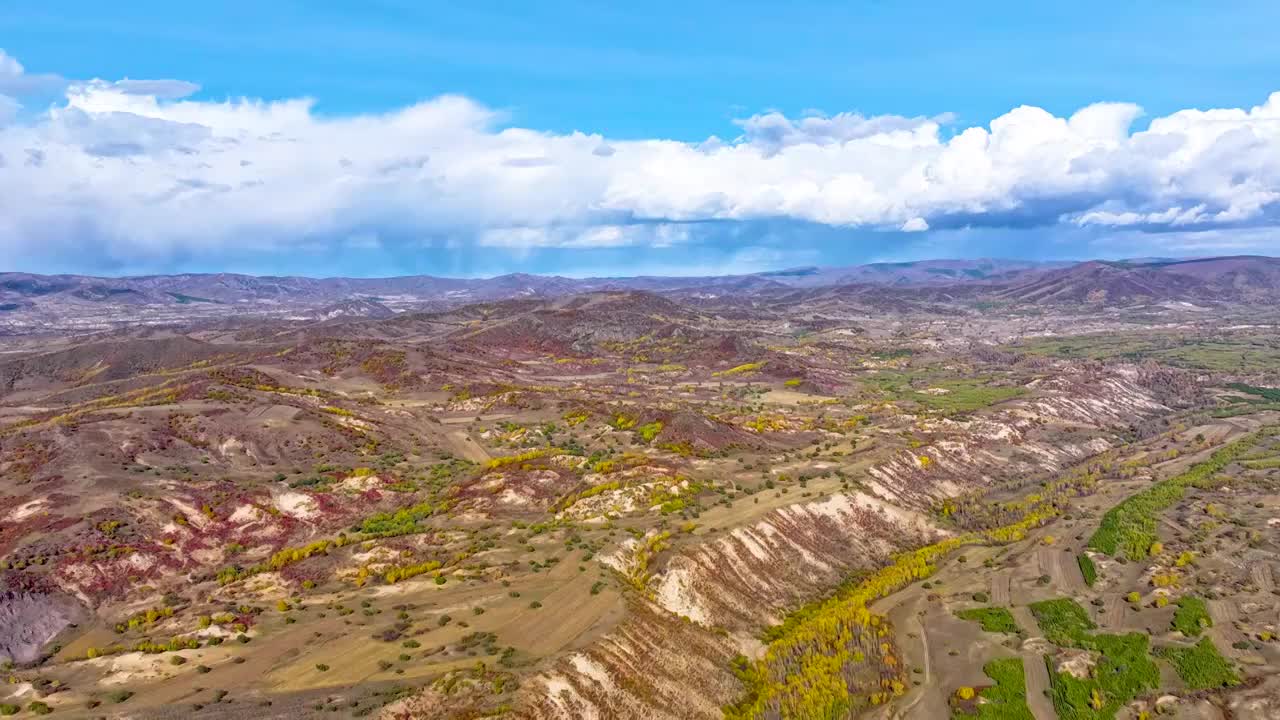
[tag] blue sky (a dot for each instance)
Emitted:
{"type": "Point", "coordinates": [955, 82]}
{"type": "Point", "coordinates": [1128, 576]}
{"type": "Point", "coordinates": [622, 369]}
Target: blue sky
{"type": "Point", "coordinates": [892, 179]}
{"type": "Point", "coordinates": [672, 69]}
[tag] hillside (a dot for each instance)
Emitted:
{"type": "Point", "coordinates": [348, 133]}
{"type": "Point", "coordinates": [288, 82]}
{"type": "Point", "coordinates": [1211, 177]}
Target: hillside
{"type": "Point", "coordinates": [633, 504]}
{"type": "Point", "coordinates": [31, 303]}
{"type": "Point", "coordinates": [1211, 280]}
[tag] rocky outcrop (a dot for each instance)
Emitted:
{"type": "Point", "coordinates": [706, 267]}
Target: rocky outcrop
{"type": "Point", "coordinates": [654, 666]}
{"type": "Point", "coordinates": [31, 620]}
{"type": "Point", "coordinates": [746, 579]}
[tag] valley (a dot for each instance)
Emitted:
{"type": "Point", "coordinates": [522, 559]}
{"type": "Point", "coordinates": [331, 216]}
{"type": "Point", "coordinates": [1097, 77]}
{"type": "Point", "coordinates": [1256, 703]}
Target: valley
{"type": "Point", "coordinates": [1020, 492]}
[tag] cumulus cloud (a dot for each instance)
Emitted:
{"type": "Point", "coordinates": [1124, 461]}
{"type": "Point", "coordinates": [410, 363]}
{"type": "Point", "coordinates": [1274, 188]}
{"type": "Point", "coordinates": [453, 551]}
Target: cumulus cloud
{"type": "Point", "coordinates": [774, 131]}
{"type": "Point", "coordinates": [15, 80]}
{"type": "Point", "coordinates": [8, 109]}
{"type": "Point", "coordinates": [138, 167]}
{"type": "Point", "coordinates": [9, 66]}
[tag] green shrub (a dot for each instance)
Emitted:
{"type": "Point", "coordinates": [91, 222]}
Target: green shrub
{"type": "Point", "coordinates": [1191, 616]}
{"type": "Point", "coordinates": [1201, 666]}
{"type": "Point", "coordinates": [1130, 527]}
{"type": "Point", "coordinates": [1269, 394]}
{"type": "Point", "coordinates": [1124, 670]}
{"type": "Point", "coordinates": [992, 619]}
{"type": "Point", "coordinates": [1062, 621]}
{"type": "Point", "coordinates": [1007, 698]}
{"type": "Point", "coordinates": [650, 431]}
{"type": "Point", "coordinates": [405, 521]}
{"type": "Point", "coordinates": [1087, 569]}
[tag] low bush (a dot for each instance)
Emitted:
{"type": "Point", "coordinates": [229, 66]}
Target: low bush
{"type": "Point", "coordinates": [992, 619]}
{"type": "Point", "coordinates": [1192, 616]}
{"type": "Point", "coordinates": [1201, 666]}
{"type": "Point", "coordinates": [1005, 700]}
{"type": "Point", "coordinates": [1087, 569]}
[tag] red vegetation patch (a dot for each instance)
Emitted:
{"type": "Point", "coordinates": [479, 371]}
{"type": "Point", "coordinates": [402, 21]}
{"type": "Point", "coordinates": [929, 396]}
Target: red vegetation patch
{"type": "Point", "coordinates": [23, 458]}
{"type": "Point", "coordinates": [530, 487]}
{"type": "Point", "coordinates": [701, 435]}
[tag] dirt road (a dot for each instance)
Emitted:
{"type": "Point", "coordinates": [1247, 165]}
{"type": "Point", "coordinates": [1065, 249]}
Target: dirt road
{"type": "Point", "coordinates": [466, 446]}
{"type": "Point", "coordinates": [1000, 590]}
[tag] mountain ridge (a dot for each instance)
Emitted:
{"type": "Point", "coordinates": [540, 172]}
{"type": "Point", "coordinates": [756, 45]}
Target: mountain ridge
{"type": "Point", "coordinates": [32, 303]}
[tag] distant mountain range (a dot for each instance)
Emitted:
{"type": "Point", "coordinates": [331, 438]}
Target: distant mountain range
{"type": "Point", "coordinates": [1238, 279]}
{"type": "Point", "coordinates": [29, 302]}
{"type": "Point", "coordinates": [923, 272]}
{"type": "Point", "coordinates": [233, 288]}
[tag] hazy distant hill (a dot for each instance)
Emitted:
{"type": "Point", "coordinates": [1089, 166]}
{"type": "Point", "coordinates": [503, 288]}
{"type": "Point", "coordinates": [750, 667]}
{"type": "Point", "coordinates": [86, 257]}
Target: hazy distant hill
{"type": "Point", "coordinates": [34, 303]}
{"type": "Point", "coordinates": [1224, 279]}
{"type": "Point", "coordinates": [229, 288]}
{"type": "Point", "coordinates": [923, 272]}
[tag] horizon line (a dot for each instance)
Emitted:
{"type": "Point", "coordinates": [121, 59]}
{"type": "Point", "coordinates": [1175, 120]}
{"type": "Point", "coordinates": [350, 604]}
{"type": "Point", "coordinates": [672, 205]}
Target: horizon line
{"type": "Point", "coordinates": [759, 273]}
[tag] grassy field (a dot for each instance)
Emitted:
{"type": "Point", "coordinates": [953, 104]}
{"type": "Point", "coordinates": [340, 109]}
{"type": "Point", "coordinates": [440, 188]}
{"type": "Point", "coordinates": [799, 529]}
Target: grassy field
{"type": "Point", "coordinates": [1006, 699]}
{"type": "Point", "coordinates": [1201, 666]}
{"type": "Point", "coordinates": [938, 393]}
{"type": "Point", "coordinates": [992, 619]}
{"type": "Point", "coordinates": [1123, 671]}
{"type": "Point", "coordinates": [1191, 617]}
{"type": "Point", "coordinates": [1087, 569]}
{"type": "Point", "coordinates": [1062, 621]}
{"type": "Point", "coordinates": [1231, 355]}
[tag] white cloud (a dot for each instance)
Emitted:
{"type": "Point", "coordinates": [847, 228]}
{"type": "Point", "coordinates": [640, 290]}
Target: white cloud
{"type": "Point", "coordinates": [133, 168]}
{"type": "Point", "coordinates": [9, 65]}
{"type": "Point", "coordinates": [773, 131]}
{"type": "Point", "coordinates": [8, 109]}
{"type": "Point", "coordinates": [15, 80]}
{"type": "Point", "coordinates": [168, 89]}
{"type": "Point", "coordinates": [586, 237]}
